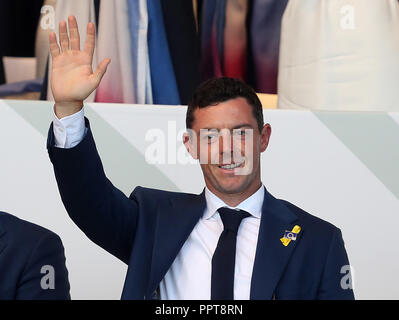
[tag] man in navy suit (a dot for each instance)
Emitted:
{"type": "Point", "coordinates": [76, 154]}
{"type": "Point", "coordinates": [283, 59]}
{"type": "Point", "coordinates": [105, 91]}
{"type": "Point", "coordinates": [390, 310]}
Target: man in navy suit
{"type": "Point", "coordinates": [32, 262]}
{"type": "Point", "coordinates": [232, 241]}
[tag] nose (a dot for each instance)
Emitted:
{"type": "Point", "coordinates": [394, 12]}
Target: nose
{"type": "Point", "coordinates": [225, 145]}
{"type": "Point", "coordinates": [225, 141]}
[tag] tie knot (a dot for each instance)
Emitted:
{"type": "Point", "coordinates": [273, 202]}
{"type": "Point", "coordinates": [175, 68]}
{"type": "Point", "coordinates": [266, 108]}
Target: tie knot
{"type": "Point", "coordinates": [232, 218]}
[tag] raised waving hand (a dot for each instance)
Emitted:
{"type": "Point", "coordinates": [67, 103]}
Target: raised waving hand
{"type": "Point", "coordinates": [72, 76]}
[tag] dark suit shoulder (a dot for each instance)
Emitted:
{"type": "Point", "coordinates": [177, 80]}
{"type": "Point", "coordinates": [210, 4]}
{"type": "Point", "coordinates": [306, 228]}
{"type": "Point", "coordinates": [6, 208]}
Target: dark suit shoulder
{"type": "Point", "coordinates": [30, 253]}
{"type": "Point", "coordinates": [319, 255]}
{"type": "Point", "coordinates": [157, 194]}
{"type": "Point", "coordinates": [22, 230]}
{"type": "Point", "coordinates": [320, 228]}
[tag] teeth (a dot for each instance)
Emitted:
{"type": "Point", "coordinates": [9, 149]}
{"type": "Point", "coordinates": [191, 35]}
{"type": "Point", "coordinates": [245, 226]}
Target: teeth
{"type": "Point", "coordinates": [231, 166]}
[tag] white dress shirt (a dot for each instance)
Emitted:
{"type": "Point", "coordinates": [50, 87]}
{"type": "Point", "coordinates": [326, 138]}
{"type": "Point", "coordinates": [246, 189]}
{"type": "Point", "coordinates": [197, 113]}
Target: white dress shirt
{"type": "Point", "coordinates": [189, 277]}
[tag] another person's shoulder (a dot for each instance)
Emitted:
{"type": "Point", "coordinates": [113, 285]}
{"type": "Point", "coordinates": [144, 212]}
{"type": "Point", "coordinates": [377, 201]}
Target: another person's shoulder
{"type": "Point", "coordinates": [24, 231]}
{"type": "Point", "coordinates": [26, 249]}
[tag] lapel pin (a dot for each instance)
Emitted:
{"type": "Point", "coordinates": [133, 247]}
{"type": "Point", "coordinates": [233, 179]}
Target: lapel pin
{"type": "Point", "coordinates": [290, 235]}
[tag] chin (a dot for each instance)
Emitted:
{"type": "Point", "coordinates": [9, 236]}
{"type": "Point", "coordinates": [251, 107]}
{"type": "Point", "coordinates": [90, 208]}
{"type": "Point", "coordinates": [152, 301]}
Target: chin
{"type": "Point", "coordinates": [231, 188]}
{"type": "Point", "coordinates": [227, 184]}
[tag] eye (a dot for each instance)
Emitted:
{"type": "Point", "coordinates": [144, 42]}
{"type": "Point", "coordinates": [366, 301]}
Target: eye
{"type": "Point", "coordinates": [212, 137]}
{"type": "Point", "coordinates": [239, 132]}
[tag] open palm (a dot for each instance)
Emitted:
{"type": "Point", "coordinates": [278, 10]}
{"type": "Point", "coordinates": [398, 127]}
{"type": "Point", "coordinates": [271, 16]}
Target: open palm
{"type": "Point", "coordinates": [72, 77]}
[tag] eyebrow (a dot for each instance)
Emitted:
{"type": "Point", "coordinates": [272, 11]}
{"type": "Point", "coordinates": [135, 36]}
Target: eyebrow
{"type": "Point", "coordinates": [242, 125]}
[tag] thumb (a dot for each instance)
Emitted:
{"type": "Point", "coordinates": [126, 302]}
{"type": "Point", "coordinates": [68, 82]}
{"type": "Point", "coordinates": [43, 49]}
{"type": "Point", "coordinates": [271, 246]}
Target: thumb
{"type": "Point", "coordinates": [100, 71]}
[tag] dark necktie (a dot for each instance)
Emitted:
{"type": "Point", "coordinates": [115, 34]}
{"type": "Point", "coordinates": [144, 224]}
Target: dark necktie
{"type": "Point", "coordinates": [223, 260]}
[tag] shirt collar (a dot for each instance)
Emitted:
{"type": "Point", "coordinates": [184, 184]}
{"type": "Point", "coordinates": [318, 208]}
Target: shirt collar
{"type": "Point", "coordinates": [252, 204]}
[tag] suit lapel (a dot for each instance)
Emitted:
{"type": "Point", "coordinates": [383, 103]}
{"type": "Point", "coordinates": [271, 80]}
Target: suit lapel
{"type": "Point", "coordinates": [175, 222]}
{"type": "Point", "coordinates": [271, 255]}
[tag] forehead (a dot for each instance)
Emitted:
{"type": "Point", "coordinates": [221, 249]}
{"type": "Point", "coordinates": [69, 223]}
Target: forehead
{"type": "Point", "coordinates": [227, 114]}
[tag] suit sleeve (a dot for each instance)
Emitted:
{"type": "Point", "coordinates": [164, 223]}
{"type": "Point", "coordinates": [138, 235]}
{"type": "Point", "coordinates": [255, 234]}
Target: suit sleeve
{"type": "Point", "coordinates": [336, 283]}
{"type": "Point", "coordinates": [45, 276]}
{"type": "Point", "coordinates": [99, 209]}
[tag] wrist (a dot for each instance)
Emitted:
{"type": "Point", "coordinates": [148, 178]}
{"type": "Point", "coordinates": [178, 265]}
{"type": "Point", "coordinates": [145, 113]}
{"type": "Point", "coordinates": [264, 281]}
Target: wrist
{"type": "Point", "coordinates": [65, 109]}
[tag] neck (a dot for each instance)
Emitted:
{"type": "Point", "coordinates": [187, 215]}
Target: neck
{"type": "Point", "coordinates": [234, 199]}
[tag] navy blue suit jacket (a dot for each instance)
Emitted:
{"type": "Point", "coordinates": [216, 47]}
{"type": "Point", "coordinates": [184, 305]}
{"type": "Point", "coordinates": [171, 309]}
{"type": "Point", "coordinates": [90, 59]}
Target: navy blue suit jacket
{"type": "Point", "coordinates": [24, 249]}
{"type": "Point", "coordinates": [148, 229]}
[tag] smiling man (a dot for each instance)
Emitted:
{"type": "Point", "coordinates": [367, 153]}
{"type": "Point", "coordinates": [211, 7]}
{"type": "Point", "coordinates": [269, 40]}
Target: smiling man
{"type": "Point", "coordinates": [227, 117]}
{"type": "Point", "coordinates": [232, 241]}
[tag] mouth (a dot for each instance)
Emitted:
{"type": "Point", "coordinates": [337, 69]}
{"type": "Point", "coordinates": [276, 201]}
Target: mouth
{"type": "Point", "coordinates": [231, 166]}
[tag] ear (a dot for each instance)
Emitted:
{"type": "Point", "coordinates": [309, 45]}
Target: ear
{"type": "Point", "coordinates": [190, 142]}
{"type": "Point", "coordinates": [265, 137]}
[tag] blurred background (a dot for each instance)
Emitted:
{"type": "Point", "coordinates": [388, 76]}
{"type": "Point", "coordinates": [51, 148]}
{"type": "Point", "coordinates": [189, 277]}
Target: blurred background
{"type": "Point", "coordinates": [297, 54]}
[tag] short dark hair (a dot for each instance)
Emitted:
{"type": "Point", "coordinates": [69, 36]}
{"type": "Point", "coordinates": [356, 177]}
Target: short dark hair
{"type": "Point", "coordinates": [216, 90]}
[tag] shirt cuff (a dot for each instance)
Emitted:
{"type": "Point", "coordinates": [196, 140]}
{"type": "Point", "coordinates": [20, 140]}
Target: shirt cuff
{"type": "Point", "coordinates": [69, 131]}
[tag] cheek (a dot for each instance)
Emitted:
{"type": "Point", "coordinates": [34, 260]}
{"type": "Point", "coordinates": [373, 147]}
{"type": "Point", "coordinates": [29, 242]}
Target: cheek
{"type": "Point", "coordinates": [208, 153]}
{"type": "Point", "coordinates": [247, 148]}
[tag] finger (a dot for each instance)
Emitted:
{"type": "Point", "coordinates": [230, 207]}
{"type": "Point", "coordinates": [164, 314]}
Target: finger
{"type": "Point", "coordinates": [101, 69]}
{"type": "Point", "coordinates": [64, 40]}
{"type": "Point", "coordinates": [74, 33]}
{"type": "Point", "coordinates": [54, 48]}
{"type": "Point", "coordinates": [90, 39]}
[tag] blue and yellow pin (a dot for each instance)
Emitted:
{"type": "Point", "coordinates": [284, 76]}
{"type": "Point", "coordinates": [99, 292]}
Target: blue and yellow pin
{"type": "Point", "coordinates": [290, 235]}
